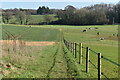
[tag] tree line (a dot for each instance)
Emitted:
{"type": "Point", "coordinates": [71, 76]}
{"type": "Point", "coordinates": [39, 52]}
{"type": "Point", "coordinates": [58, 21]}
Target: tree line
{"type": "Point", "coordinates": [96, 14]}
{"type": "Point", "coordinates": [21, 15]}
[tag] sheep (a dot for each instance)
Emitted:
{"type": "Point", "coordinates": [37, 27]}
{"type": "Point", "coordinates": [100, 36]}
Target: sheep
{"type": "Point", "coordinates": [96, 27]}
{"type": "Point", "coordinates": [98, 33]}
{"type": "Point", "coordinates": [117, 35]}
{"type": "Point", "coordinates": [84, 30]}
{"type": "Point", "coordinates": [113, 34]}
{"type": "Point", "coordinates": [102, 38]}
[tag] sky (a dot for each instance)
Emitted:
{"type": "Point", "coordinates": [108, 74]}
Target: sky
{"type": "Point", "coordinates": [60, 4]}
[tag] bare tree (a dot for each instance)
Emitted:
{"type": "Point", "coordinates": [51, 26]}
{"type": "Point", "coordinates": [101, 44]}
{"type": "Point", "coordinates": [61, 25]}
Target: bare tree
{"type": "Point", "coordinates": [20, 15]}
{"type": "Point", "coordinates": [7, 16]}
{"type": "Point", "coordinates": [47, 19]}
{"type": "Point", "coordinates": [28, 17]}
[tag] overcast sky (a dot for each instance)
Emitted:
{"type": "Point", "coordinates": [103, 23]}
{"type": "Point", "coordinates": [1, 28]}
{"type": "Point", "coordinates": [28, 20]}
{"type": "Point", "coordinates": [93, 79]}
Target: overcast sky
{"type": "Point", "coordinates": [53, 4]}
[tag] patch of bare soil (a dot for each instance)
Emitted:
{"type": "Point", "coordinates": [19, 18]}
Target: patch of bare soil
{"type": "Point", "coordinates": [45, 43]}
{"type": "Point", "coordinates": [26, 43]}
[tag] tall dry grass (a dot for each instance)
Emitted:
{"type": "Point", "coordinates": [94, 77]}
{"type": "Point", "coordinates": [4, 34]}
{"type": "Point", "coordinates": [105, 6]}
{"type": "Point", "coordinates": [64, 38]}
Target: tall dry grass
{"type": "Point", "coordinates": [17, 53]}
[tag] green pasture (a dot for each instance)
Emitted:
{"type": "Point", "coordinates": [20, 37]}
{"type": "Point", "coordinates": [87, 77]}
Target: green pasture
{"type": "Point", "coordinates": [33, 19]}
{"type": "Point", "coordinates": [36, 19]}
{"type": "Point", "coordinates": [107, 47]}
{"type": "Point", "coordinates": [29, 33]}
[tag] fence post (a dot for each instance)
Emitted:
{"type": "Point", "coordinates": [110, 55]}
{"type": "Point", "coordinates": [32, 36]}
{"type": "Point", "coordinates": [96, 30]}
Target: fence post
{"type": "Point", "coordinates": [99, 66]}
{"type": "Point", "coordinates": [64, 42]}
{"type": "Point", "coordinates": [68, 45]}
{"type": "Point", "coordinates": [73, 48]}
{"type": "Point", "coordinates": [87, 59]}
{"type": "Point", "coordinates": [80, 53]}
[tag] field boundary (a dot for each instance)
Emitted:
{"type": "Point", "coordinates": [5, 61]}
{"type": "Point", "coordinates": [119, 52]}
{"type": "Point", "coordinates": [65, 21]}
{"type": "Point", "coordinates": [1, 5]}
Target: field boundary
{"type": "Point", "coordinates": [72, 47]}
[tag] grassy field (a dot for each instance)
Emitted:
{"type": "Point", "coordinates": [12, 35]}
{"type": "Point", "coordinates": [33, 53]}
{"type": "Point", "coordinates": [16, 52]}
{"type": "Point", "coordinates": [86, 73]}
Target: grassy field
{"type": "Point", "coordinates": [30, 33]}
{"type": "Point", "coordinates": [54, 57]}
{"type": "Point", "coordinates": [108, 47]}
{"type": "Point", "coordinates": [34, 19]}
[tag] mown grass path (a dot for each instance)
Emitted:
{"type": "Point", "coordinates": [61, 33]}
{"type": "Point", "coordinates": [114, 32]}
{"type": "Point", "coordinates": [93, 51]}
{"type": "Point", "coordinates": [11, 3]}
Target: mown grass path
{"type": "Point", "coordinates": [59, 66]}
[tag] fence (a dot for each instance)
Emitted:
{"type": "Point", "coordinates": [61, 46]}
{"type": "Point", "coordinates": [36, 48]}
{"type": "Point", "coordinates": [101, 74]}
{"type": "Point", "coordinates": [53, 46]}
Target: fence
{"type": "Point", "coordinates": [72, 47]}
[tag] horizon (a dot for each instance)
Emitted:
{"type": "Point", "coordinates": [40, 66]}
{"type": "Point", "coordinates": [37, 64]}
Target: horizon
{"type": "Point", "coordinates": [51, 5]}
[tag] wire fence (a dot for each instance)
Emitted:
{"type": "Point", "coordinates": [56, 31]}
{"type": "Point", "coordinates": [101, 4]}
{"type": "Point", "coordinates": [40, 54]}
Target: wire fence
{"type": "Point", "coordinates": [110, 61]}
{"type": "Point", "coordinates": [75, 48]}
